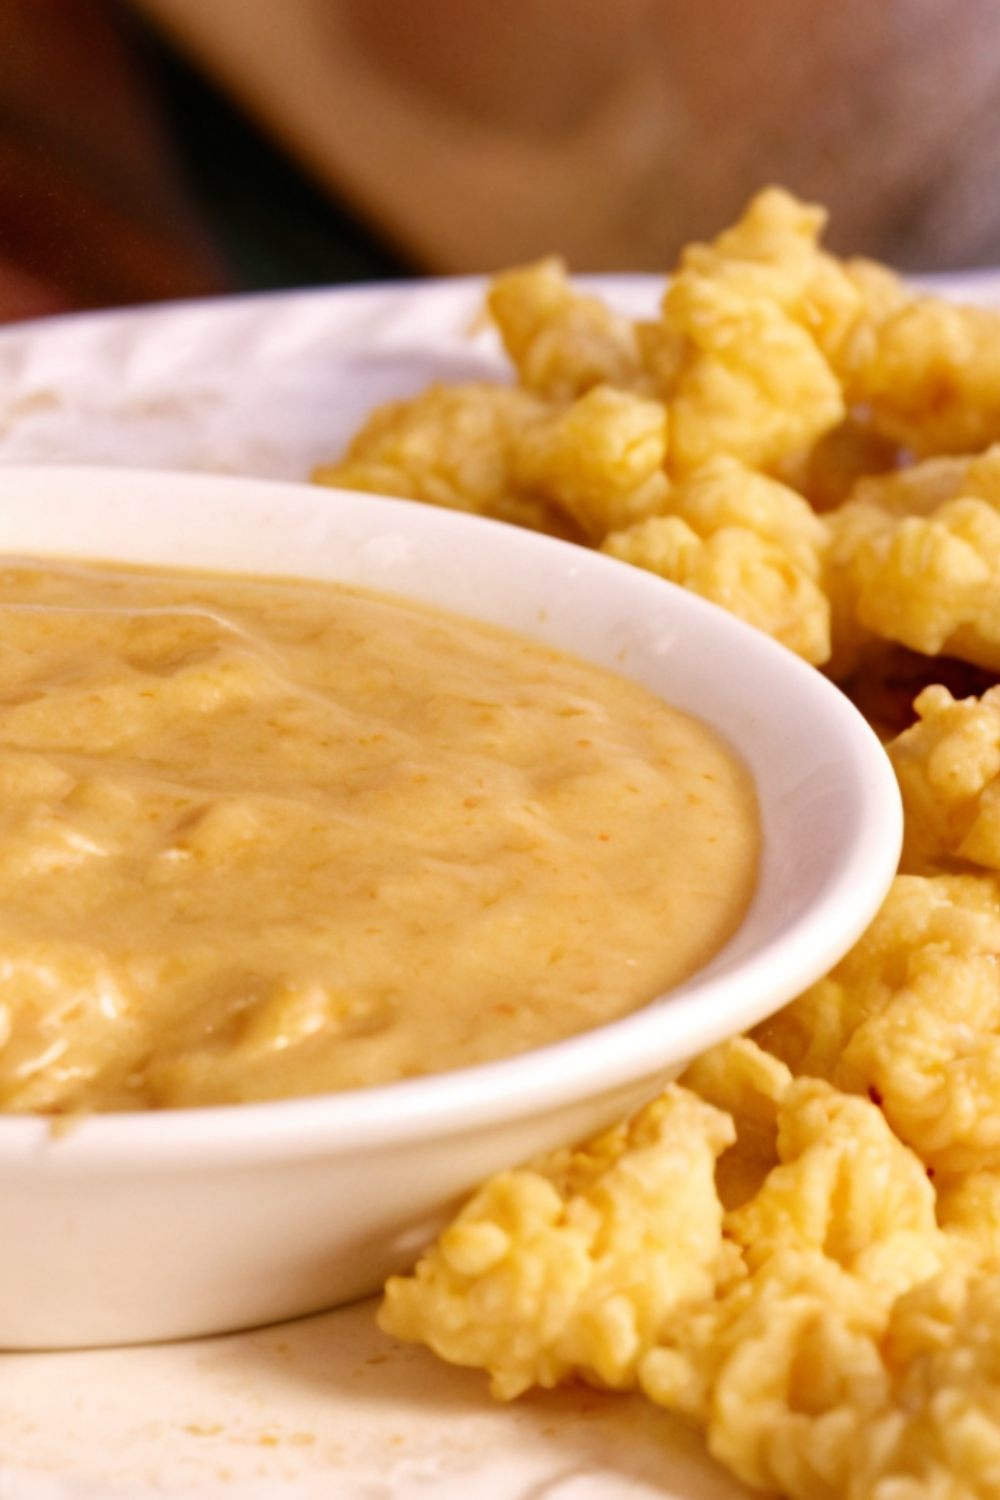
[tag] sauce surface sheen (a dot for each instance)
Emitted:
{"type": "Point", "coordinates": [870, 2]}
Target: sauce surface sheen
{"type": "Point", "coordinates": [263, 838]}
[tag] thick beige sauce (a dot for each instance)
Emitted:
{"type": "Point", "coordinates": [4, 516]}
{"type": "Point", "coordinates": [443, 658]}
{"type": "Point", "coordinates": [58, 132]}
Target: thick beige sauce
{"type": "Point", "coordinates": [262, 838]}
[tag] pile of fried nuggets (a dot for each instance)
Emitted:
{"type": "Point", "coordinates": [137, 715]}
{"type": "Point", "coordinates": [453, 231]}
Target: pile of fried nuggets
{"type": "Point", "coordinates": [797, 1246]}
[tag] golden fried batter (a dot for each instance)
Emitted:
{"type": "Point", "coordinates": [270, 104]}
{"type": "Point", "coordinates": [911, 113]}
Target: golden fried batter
{"type": "Point", "coordinates": [798, 1246]}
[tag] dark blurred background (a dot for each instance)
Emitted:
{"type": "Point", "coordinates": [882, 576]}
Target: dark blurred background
{"type": "Point", "coordinates": [126, 176]}
{"type": "Point", "coordinates": [152, 149]}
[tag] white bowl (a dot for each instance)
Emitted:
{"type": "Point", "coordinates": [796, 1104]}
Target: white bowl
{"type": "Point", "coordinates": [126, 1228]}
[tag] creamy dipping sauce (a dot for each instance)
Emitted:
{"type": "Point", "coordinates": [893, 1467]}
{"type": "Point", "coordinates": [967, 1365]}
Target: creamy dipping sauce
{"type": "Point", "coordinates": [267, 838]}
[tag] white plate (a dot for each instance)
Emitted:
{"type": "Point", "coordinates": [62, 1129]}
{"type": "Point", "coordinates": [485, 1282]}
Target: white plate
{"type": "Point", "coordinates": [327, 1406]}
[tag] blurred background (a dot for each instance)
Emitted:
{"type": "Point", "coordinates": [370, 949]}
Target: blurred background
{"type": "Point", "coordinates": [153, 149]}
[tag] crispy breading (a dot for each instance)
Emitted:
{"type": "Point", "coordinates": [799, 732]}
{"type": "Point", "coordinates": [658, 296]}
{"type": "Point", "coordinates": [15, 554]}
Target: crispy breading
{"type": "Point", "coordinates": [753, 383]}
{"type": "Point", "coordinates": [745, 319]}
{"type": "Point", "coordinates": [931, 378]}
{"type": "Point", "coordinates": [745, 542]}
{"type": "Point", "coordinates": [915, 558]}
{"type": "Point", "coordinates": [815, 1332]}
{"type": "Point", "coordinates": [600, 459]}
{"type": "Point", "coordinates": [798, 1247]}
{"type": "Point", "coordinates": [749, 1084]}
{"type": "Point", "coordinates": [560, 341]}
{"type": "Point", "coordinates": [451, 446]}
{"type": "Point", "coordinates": [948, 769]}
{"type": "Point", "coordinates": [911, 1017]}
{"type": "Point", "coordinates": [574, 1264]}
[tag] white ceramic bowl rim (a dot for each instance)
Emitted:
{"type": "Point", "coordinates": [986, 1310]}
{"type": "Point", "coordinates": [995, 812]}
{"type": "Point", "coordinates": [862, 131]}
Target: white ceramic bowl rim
{"type": "Point", "coordinates": [294, 521]}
